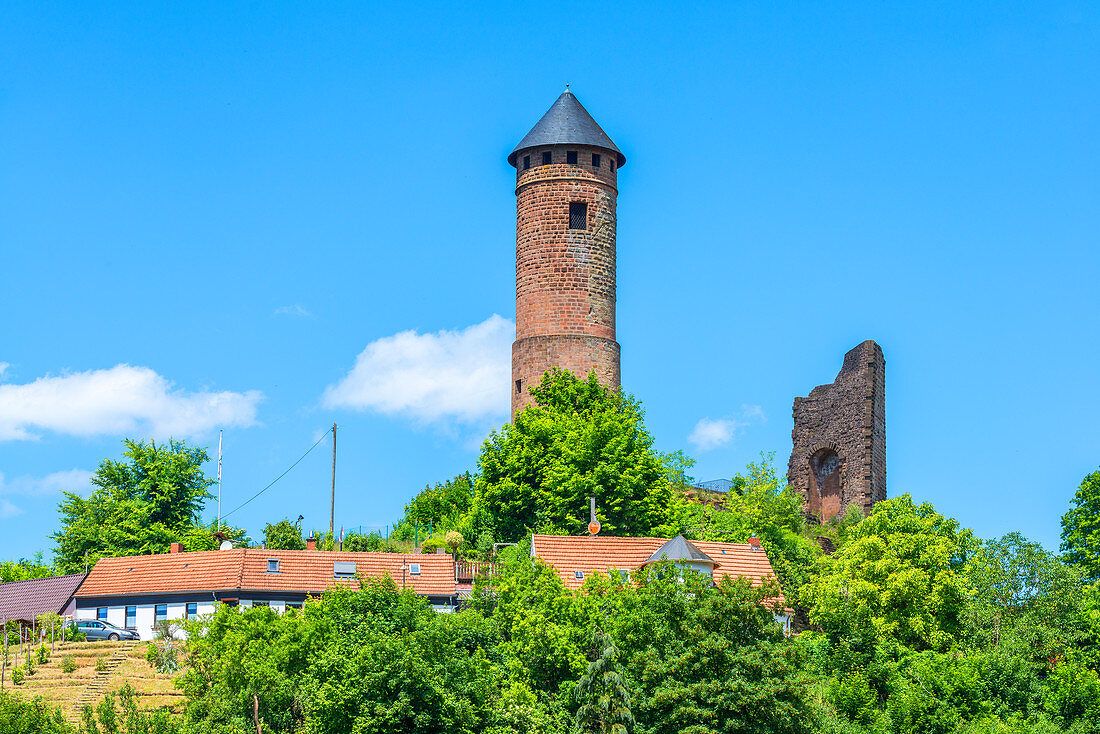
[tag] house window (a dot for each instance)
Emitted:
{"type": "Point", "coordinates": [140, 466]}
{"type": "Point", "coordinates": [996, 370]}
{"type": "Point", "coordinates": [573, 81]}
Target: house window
{"type": "Point", "coordinates": [160, 613]}
{"type": "Point", "coordinates": [261, 603]}
{"type": "Point", "coordinates": [578, 215]}
{"type": "Point", "coordinates": [526, 162]}
{"type": "Point", "coordinates": [101, 614]}
{"type": "Point", "coordinates": [546, 158]}
{"type": "Point", "coordinates": [595, 160]}
{"type": "Point", "coordinates": [343, 569]}
{"type": "Point", "coordinates": [273, 565]}
{"type": "Point", "coordinates": [571, 157]}
{"type": "Point", "coordinates": [294, 605]}
{"type": "Point", "coordinates": [131, 617]}
{"type": "Point", "coordinates": [414, 569]}
{"type": "Point", "coordinates": [611, 164]}
{"type": "Point", "coordinates": [519, 386]}
{"type": "Point", "coordinates": [191, 610]}
{"type": "Point", "coordinates": [578, 575]}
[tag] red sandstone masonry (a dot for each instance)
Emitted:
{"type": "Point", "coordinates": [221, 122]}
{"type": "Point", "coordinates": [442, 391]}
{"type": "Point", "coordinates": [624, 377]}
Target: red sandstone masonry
{"type": "Point", "coordinates": [839, 438]}
{"type": "Point", "coordinates": [565, 279]}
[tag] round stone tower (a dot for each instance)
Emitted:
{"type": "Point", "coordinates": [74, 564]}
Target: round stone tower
{"type": "Point", "coordinates": [566, 171]}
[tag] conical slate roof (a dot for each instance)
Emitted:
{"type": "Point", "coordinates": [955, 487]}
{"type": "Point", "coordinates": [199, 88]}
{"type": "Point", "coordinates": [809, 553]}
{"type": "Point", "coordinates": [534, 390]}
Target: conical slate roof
{"type": "Point", "coordinates": [567, 121]}
{"type": "Point", "coordinates": [680, 549]}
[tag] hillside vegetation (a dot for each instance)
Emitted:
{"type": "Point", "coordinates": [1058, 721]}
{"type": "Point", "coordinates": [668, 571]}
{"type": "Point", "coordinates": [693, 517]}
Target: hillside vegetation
{"type": "Point", "coordinates": [907, 622]}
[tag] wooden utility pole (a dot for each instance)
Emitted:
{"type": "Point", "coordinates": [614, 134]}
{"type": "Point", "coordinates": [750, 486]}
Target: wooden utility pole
{"type": "Point", "coordinates": [332, 507]}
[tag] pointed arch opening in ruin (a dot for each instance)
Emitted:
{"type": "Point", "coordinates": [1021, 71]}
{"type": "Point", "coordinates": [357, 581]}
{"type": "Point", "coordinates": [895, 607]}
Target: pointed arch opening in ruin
{"type": "Point", "coordinates": [824, 499]}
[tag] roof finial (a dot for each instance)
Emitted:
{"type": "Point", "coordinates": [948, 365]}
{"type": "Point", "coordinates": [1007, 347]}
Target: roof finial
{"type": "Point", "coordinates": [567, 88]}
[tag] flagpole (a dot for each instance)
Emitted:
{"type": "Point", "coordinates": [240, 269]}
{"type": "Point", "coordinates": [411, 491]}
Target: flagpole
{"type": "Point", "coordinates": [219, 480]}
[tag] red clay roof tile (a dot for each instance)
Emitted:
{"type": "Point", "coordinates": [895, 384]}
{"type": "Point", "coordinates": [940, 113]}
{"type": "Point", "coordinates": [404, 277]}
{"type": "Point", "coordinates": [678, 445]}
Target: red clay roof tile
{"type": "Point", "coordinates": [246, 569]}
{"type": "Point", "coordinates": [595, 553]}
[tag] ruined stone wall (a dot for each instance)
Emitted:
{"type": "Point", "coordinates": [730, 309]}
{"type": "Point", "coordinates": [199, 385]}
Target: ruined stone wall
{"type": "Point", "coordinates": [839, 438]}
{"type": "Point", "coordinates": [565, 278]}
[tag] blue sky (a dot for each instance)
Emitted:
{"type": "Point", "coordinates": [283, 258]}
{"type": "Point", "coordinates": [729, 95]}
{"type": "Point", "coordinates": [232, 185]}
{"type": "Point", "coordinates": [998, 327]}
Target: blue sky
{"type": "Point", "coordinates": [269, 217]}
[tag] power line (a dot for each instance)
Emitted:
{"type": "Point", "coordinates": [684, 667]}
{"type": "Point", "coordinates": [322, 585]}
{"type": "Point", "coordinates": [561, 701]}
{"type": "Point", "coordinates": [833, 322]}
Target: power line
{"type": "Point", "coordinates": [307, 453]}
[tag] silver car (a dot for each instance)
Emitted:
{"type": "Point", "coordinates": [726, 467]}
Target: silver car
{"type": "Point", "coordinates": [95, 629]}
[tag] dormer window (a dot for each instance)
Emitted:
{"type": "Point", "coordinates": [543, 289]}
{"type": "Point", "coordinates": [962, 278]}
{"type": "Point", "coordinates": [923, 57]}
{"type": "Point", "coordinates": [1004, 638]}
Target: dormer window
{"type": "Point", "coordinates": [343, 569]}
{"type": "Point", "coordinates": [414, 569]}
{"type": "Point", "coordinates": [546, 158]}
{"type": "Point", "coordinates": [571, 157]}
{"type": "Point", "coordinates": [578, 575]}
{"type": "Point", "coordinates": [273, 565]}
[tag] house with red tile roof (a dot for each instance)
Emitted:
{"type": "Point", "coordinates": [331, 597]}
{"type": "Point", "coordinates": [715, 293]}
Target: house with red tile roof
{"type": "Point", "coordinates": [135, 592]}
{"type": "Point", "coordinates": [575, 558]}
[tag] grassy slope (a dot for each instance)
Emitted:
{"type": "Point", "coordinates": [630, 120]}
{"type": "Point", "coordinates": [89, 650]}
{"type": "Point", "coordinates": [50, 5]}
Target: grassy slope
{"type": "Point", "coordinates": [64, 689]}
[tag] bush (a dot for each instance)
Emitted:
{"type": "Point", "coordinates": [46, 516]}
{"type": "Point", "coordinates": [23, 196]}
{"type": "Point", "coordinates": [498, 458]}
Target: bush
{"type": "Point", "coordinates": [454, 540]}
{"type": "Point", "coordinates": [68, 664]}
{"type": "Point", "coordinates": [101, 665]}
{"type": "Point", "coordinates": [72, 634]}
{"type": "Point", "coordinates": [17, 676]}
{"type": "Point", "coordinates": [42, 654]}
{"type": "Point", "coordinates": [431, 544]}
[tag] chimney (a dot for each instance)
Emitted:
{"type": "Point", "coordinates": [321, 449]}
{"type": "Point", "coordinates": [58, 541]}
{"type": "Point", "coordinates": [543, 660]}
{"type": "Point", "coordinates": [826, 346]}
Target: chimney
{"type": "Point", "coordinates": [176, 548]}
{"type": "Point", "coordinates": [754, 543]}
{"type": "Point", "coordinates": [311, 543]}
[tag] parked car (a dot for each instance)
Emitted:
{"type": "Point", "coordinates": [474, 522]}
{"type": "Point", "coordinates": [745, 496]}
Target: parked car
{"type": "Point", "coordinates": [95, 629]}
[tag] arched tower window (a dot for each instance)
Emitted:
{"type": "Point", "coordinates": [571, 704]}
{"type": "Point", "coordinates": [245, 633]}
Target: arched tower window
{"type": "Point", "coordinates": [824, 499]}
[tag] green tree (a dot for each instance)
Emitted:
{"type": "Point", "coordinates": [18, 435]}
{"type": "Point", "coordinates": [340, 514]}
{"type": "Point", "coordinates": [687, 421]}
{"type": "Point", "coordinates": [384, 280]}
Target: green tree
{"type": "Point", "coordinates": [23, 569]}
{"type": "Point", "coordinates": [136, 507]}
{"type": "Point", "coordinates": [1081, 527]}
{"type": "Point", "coordinates": [1026, 602]}
{"type": "Point", "coordinates": [283, 535]}
{"type": "Point", "coordinates": [602, 693]}
{"type": "Point", "coordinates": [900, 576]}
{"type": "Point", "coordinates": [578, 440]}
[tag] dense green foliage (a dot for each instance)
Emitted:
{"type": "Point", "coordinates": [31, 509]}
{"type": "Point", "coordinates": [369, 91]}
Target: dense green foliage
{"type": "Point", "coordinates": [23, 569]}
{"type": "Point", "coordinates": [283, 535]}
{"type": "Point", "coordinates": [578, 440]}
{"type": "Point", "coordinates": [136, 507]}
{"type": "Point", "coordinates": [908, 625]}
{"type": "Point", "coordinates": [1081, 528]}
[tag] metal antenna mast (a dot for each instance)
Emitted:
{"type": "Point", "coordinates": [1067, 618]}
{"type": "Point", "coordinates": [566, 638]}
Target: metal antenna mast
{"type": "Point", "coordinates": [332, 507]}
{"type": "Point", "coordinates": [219, 479]}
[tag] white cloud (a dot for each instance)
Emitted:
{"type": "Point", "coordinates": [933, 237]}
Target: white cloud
{"type": "Point", "coordinates": [119, 400]}
{"type": "Point", "coordinates": [710, 433]}
{"type": "Point", "coordinates": [4, 367]}
{"type": "Point", "coordinates": [292, 310]}
{"type": "Point", "coordinates": [73, 480]}
{"type": "Point", "coordinates": [460, 375]}
{"type": "Point", "coordinates": [7, 509]}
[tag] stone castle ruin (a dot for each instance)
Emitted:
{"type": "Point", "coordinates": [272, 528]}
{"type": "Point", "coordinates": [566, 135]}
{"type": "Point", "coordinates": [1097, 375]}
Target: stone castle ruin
{"type": "Point", "coordinates": [566, 191]}
{"type": "Point", "coordinates": [839, 436]}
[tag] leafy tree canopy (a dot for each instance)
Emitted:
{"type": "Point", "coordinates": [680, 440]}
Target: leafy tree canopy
{"type": "Point", "coordinates": [283, 535]}
{"type": "Point", "coordinates": [23, 569]}
{"type": "Point", "coordinates": [1081, 527]}
{"type": "Point", "coordinates": [900, 576]}
{"type": "Point", "coordinates": [579, 439]}
{"type": "Point", "coordinates": [137, 506]}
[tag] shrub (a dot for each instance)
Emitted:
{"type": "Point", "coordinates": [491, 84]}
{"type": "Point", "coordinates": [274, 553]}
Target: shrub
{"type": "Point", "coordinates": [100, 665]}
{"type": "Point", "coordinates": [454, 540]}
{"type": "Point", "coordinates": [68, 664]}
{"type": "Point", "coordinates": [17, 676]}
{"type": "Point", "coordinates": [42, 654]}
